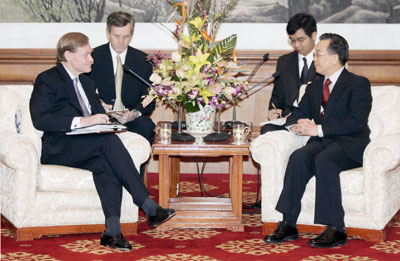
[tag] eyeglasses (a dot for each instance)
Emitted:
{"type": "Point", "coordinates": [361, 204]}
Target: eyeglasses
{"type": "Point", "coordinates": [293, 41]}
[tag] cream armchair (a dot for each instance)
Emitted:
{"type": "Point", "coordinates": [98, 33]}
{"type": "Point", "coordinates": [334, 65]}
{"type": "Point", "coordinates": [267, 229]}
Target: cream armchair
{"type": "Point", "coordinates": [47, 199]}
{"type": "Point", "coordinates": [371, 194]}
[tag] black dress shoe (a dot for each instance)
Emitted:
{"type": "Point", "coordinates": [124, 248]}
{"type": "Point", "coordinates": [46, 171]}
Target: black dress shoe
{"type": "Point", "coordinates": [116, 242]}
{"type": "Point", "coordinates": [331, 237]}
{"type": "Point", "coordinates": [162, 215]}
{"type": "Point", "coordinates": [283, 233]}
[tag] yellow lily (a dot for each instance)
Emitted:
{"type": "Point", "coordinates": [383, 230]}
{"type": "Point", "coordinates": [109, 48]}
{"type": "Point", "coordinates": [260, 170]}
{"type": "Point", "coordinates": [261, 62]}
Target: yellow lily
{"type": "Point", "coordinates": [205, 94]}
{"type": "Point", "coordinates": [197, 22]}
{"type": "Point", "coordinates": [199, 60]}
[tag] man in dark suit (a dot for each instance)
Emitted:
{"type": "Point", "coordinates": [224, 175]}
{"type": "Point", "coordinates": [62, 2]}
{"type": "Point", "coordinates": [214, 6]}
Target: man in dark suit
{"type": "Point", "coordinates": [117, 88]}
{"type": "Point", "coordinates": [334, 112]}
{"type": "Point", "coordinates": [295, 68]}
{"type": "Point", "coordinates": [64, 99]}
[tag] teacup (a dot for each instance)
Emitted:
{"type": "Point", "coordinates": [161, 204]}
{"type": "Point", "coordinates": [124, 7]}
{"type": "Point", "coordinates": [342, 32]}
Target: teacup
{"type": "Point", "coordinates": [164, 131]}
{"type": "Point", "coordinates": [239, 133]}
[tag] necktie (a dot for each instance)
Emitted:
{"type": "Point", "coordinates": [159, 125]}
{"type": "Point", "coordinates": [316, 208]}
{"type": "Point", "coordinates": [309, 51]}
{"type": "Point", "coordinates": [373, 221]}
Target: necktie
{"type": "Point", "coordinates": [80, 99]}
{"type": "Point", "coordinates": [118, 105]}
{"type": "Point", "coordinates": [325, 94]}
{"type": "Point", "coordinates": [304, 72]}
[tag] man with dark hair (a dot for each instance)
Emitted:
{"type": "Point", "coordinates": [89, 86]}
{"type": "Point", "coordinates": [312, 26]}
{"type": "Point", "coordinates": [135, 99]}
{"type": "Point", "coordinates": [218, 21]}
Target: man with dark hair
{"type": "Point", "coordinates": [295, 68]}
{"type": "Point", "coordinates": [64, 99]}
{"type": "Point", "coordinates": [334, 112]}
{"type": "Point", "coordinates": [117, 88]}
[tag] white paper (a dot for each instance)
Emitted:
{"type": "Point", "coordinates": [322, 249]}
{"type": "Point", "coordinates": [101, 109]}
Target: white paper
{"type": "Point", "coordinates": [278, 121]}
{"type": "Point", "coordinates": [97, 128]}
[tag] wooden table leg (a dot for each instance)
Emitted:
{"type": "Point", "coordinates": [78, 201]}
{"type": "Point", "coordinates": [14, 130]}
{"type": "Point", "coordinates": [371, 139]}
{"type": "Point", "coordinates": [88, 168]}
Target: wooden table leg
{"type": "Point", "coordinates": [164, 180]}
{"type": "Point", "coordinates": [175, 170]}
{"type": "Point", "coordinates": [236, 186]}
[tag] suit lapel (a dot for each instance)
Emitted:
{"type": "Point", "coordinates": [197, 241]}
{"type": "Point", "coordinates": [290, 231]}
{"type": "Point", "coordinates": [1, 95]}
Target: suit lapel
{"type": "Point", "coordinates": [318, 99]}
{"type": "Point", "coordinates": [130, 61]}
{"type": "Point", "coordinates": [294, 68]}
{"type": "Point", "coordinates": [338, 89]}
{"type": "Point", "coordinates": [108, 66]}
{"type": "Point", "coordinates": [69, 87]}
{"type": "Point", "coordinates": [311, 73]}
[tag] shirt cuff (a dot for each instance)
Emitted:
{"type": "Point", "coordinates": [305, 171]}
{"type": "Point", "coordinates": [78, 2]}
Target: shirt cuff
{"type": "Point", "coordinates": [76, 123]}
{"type": "Point", "coordinates": [139, 113]}
{"type": "Point", "coordinates": [320, 132]}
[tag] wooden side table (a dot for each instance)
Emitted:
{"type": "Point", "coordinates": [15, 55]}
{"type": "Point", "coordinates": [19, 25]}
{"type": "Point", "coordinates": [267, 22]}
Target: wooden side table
{"type": "Point", "coordinates": [201, 212]}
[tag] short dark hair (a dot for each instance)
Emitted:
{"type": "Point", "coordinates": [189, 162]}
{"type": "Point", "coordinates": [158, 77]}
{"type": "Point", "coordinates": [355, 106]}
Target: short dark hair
{"type": "Point", "coordinates": [338, 45]}
{"type": "Point", "coordinates": [70, 42]}
{"type": "Point", "coordinates": [119, 19]}
{"type": "Point", "coordinates": [301, 21]}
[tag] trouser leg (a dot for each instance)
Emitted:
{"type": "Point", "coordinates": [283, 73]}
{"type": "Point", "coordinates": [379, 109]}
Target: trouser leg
{"type": "Point", "coordinates": [299, 171]}
{"type": "Point", "coordinates": [328, 198]}
{"type": "Point", "coordinates": [144, 126]}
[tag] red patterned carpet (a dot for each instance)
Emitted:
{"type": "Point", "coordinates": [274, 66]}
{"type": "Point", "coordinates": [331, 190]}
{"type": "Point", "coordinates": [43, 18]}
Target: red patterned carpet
{"type": "Point", "coordinates": [197, 244]}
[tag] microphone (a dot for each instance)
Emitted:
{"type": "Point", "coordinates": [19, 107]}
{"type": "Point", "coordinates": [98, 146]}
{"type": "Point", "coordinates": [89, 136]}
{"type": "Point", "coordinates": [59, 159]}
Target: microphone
{"type": "Point", "coordinates": [228, 124]}
{"type": "Point", "coordinates": [264, 59]}
{"type": "Point", "coordinates": [179, 136]}
{"type": "Point", "coordinates": [220, 136]}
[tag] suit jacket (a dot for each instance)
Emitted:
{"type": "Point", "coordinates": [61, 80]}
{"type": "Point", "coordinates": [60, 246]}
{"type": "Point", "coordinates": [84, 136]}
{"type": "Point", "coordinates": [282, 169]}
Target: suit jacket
{"type": "Point", "coordinates": [132, 89]}
{"type": "Point", "coordinates": [346, 114]}
{"type": "Point", "coordinates": [54, 104]}
{"type": "Point", "coordinates": [286, 86]}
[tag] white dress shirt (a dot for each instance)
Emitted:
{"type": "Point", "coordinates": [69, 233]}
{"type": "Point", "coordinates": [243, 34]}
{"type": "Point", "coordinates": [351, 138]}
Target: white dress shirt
{"type": "Point", "coordinates": [76, 121]}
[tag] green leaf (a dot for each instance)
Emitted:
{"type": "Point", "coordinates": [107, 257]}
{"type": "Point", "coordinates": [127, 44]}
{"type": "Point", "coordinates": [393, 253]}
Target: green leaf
{"type": "Point", "coordinates": [225, 47]}
{"type": "Point", "coordinates": [189, 107]}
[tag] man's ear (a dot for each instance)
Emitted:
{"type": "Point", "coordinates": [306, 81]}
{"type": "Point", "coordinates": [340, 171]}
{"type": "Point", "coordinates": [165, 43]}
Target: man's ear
{"type": "Point", "coordinates": [67, 55]}
{"type": "Point", "coordinates": [108, 34]}
{"type": "Point", "coordinates": [314, 36]}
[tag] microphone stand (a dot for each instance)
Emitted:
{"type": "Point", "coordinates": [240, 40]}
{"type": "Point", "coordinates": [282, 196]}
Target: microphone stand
{"type": "Point", "coordinates": [218, 136]}
{"type": "Point", "coordinates": [179, 136]}
{"type": "Point", "coordinates": [228, 124]}
{"type": "Point", "coordinates": [221, 136]}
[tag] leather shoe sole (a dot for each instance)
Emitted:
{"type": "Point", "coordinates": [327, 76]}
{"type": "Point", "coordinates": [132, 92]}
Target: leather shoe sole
{"type": "Point", "coordinates": [157, 220]}
{"type": "Point", "coordinates": [118, 242]}
{"type": "Point", "coordinates": [337, 243]}
{"type": "Point", "coordinates": [271, 240]}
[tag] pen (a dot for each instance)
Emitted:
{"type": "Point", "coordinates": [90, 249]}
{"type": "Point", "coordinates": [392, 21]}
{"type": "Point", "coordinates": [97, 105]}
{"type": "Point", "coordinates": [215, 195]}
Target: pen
{"type": "Point", "coordinates": [276, 110]}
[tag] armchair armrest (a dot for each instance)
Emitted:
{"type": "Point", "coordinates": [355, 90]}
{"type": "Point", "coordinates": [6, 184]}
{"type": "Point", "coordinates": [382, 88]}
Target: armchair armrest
{"type": "Point", "coordinates": [138, 147]}
{"type": "Point", "coordinates": [18, 152]}
{"type": "Point", "coordinates": [19, 173]}
{"type": "Point", "coordinates": [272, 150]}
{"type": "Point", "coordinates": [381, 167]}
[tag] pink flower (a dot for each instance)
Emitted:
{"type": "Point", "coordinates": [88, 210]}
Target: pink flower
{"type": "Point", "coordinates": [216, 89]}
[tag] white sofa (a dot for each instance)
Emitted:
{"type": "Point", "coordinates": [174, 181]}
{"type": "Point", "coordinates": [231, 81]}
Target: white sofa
{"type": "Point", "coordinates": [371, 194]}
{"type": "Point", "coordinates": [48, 199]}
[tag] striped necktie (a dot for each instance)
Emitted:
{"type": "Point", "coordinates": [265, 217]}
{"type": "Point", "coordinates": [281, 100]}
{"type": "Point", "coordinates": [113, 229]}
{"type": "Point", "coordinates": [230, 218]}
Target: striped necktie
{"type": "Point", "coordinates": [80, 98]}
{"type": "Point", "coordinates": [118, 105]}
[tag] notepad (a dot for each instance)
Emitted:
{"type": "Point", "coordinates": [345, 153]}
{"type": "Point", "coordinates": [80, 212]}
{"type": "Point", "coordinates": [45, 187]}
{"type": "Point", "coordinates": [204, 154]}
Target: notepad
{"type": "Point", "coordinates": [98, 128]}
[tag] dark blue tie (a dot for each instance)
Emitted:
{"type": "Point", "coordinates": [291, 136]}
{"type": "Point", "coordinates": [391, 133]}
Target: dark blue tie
{"type": "Point", "coordinates": [304, 72]}
{"type": "Point", "coordinates": [80, 99]}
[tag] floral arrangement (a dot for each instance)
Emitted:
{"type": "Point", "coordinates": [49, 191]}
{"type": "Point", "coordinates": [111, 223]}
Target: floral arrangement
{"type": "Point", "coordinates": [202, 71]}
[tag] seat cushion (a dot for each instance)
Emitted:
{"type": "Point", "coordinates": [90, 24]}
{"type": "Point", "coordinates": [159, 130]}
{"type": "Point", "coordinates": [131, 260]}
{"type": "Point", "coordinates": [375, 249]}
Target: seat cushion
{"type": "Point", "coordinates": [64, 179]}
{"type": "Point", "coordinates": [350, 180]}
